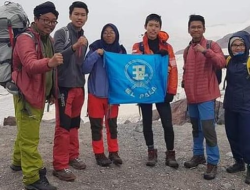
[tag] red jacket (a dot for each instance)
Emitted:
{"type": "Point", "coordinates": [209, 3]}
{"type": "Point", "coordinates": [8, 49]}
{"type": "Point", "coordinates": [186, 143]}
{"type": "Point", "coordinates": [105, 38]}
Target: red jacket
{"type": "Point", "coordinates": [29, 69]}
{"type": "Point", "coordinates": [172, 69]}
{"type": "Point", "coordinates": [200, 82]}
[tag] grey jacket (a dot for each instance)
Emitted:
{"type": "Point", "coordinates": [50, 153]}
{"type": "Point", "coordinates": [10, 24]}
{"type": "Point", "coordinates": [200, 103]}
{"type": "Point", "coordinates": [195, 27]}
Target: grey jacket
{"type": "Point", "coordinates": [69, 73]}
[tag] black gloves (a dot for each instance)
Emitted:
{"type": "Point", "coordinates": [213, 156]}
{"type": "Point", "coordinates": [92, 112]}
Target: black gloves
{"type": "Point", "coordinates": [162, 52]}
{"type": "Point", "coordinates": [169, 97]}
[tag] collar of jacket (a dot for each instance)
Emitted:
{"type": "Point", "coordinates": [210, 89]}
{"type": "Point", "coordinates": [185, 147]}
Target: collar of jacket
{"type": "Point", "coordinates": [192, 43]}
{"type": "Point", "coordinates": [74, 30]}
{"type": "Point", "coordinates": [163, 37]}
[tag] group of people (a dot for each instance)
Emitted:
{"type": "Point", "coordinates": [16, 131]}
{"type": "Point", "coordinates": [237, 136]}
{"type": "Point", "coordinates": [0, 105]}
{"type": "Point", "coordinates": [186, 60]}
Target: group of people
{"type": "Point", "coordinates": [54, 72]}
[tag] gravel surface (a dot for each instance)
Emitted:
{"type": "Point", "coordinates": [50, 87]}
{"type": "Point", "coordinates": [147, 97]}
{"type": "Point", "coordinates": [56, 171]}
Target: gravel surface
{"type": "Point", "coordinates": [133, 174]}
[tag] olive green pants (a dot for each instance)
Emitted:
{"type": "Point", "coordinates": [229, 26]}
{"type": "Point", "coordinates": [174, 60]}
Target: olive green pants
{"type": "Point", "coordinates": [25, 149]}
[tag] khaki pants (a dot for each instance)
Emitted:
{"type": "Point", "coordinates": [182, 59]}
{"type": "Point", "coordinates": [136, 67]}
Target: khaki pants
{"type": "Point", "coordinates": [25, 149]}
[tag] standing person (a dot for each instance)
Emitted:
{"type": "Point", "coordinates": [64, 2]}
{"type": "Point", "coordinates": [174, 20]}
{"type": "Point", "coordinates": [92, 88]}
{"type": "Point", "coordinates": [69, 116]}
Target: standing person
{"type": "Point", "coordinates": [237, 102]}
{"type": "Point", "coordinates": [201, 88]}
{"type": "Point", "coordinates": [155, 42]}
{"type": "Point", "coordinates": [98, 106]}
{"type": "Point", "coordinates": [71, 88]}
{"type": "Point", "coordinates": [34, 54]}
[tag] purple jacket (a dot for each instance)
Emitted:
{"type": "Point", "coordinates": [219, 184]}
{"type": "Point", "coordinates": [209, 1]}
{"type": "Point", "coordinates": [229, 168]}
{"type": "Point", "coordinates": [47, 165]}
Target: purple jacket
{"type": "Point", "coordinates": [97, 81]}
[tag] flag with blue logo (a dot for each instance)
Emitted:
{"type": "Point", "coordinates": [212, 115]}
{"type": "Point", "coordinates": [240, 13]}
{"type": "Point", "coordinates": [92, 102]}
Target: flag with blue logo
{"type": "Point", "coordinates": [136, 78]}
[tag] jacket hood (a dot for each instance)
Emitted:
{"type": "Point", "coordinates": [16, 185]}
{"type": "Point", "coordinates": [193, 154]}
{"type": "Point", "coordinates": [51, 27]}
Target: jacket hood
{"type": "Point", "coordinates": [246, 38]}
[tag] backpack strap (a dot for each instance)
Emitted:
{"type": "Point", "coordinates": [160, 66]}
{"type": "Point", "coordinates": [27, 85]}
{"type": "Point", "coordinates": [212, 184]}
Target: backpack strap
{"type": "Point", "coordinates": [67, 38]}
{"type": "Point", "coordinates": [248, 66]}
{"type": "Point", "coordinates": [227, 60]}
{"type": "Point", "coordinates": [185, 53]}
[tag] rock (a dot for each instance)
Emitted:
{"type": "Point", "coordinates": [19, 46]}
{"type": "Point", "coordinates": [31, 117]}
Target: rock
{"type": "Point", "coordinates": [155, 115]}
{"type": "Point", "coordinates": [139, 127]}
{"type": "Point", "coordinates": [127, 122]}
{"type": "Point", "coordinates": [10, 120]}
{"type": "Point", "coordinates": [227, 186]}
{"type": "Point", "coordinates": [180, 113]}
{"type": "Point", "coordinates": [229, 154]}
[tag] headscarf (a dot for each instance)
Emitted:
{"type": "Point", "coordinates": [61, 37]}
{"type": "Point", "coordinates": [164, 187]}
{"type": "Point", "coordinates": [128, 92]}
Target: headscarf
{"type": "Point", "coordinates": [101, 44]}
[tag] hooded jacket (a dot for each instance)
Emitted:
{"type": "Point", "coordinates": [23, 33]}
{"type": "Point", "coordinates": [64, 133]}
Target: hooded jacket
{"type": "Point", "coordinates": [237, 95]}
{"type": "Point", "coordinates": [94, 66]}
{"type": "Point", "coordinates": [163, 45]}
{"type": "Point", "coordinates": [199, 76]}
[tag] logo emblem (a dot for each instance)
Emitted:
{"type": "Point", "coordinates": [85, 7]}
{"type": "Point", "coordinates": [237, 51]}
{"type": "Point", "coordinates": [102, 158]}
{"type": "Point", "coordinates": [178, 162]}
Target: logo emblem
{"type": "Point", "coordinates": [139, 73]}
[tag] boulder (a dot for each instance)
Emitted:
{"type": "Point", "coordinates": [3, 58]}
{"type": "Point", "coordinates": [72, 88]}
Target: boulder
{"type": "Point", "coordinates": [10, 120]}
{"type": "Point", "coordinates": [180, 114]}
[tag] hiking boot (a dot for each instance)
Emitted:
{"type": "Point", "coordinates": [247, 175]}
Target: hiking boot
{"type": "Point", "coordinates": [115, 158]}
{"type": "Point", "coordinates": [152, 158]}
{"type": "Point", "coordinates": [195, 161]}
{"type": "Point", "coordinates": [12, 88]}
{"type": "Point", "coordinates": [170, 159]}
{"type": "Point", "coordinates": [42, 183]}
{"type": "Point", "coordinates": [247, 180]}
{"type": "Point", "coordinates": [102, 160]}
{"type": "Point", "coordinates": [237, 167]}
{"type": "Point", "coordinates": [77, 163]}
{"type": "Point", "coordinates": [64, 175]}
{"type": "Point", "coordinates": [15, 168]}
{"type": "Point", "coordinates": [211, 172]}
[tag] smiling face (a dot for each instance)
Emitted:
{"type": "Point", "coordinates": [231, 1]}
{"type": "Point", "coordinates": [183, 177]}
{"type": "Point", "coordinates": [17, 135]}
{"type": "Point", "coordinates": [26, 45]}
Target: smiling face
{"type": "Point", "coordinates": [196, 30]}
{"type": "Point", "coordinates": [78, 17]}
{"type": "Point", "coordinates": [46, 23]}
{"type": "Point", "coordinates": [237, 47]}
{"type": "Point", "coordinates": [109, 35]}
{"type": "Point", "coordinates": [153, 28]}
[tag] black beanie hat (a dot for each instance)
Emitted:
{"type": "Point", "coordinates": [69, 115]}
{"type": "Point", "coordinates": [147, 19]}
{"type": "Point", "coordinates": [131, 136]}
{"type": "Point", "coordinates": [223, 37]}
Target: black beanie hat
{"type": "Point", "coordinates": [47, 7]}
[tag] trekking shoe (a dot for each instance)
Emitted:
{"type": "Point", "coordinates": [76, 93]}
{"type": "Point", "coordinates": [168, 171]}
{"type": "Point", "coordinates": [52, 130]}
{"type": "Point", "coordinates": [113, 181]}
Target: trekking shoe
{"type": "Point", "coordinates": [102, 160]}
{"type": "Point", "coordinates": [211, 172]}
{"type": "Point", "coordinates": [15, 168]}
{"type": "Point", "coordinates": [12, 88]}
{"type": "Point", "coordinates": [115, 158]}
{"type": "Point", "coordinates": [64, 175]}
{"type": "Point", "coordinates": [77, 163]}
{"type": "Point", "coordinates": [195, 161]}
{"type": "Point", "coordinates": [41, 184]}
{"type": "Point", "coordinates": [170, 159]}
{"type": "Point", "coordinates": [247, 180]}
{"type": "Point", "coordinates": [152, 158]}
{"type": "Point", "coordinates": [237, 167]}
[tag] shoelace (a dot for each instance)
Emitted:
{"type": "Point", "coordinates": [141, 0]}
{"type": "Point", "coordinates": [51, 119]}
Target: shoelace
{"type": "Point", "coordinates": [78, 159]}
{"type": "Point", "coordinates": [67, 170]}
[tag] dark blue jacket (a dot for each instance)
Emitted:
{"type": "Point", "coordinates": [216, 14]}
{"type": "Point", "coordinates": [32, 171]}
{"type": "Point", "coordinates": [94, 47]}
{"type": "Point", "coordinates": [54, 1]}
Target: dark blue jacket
{"type": "Point", "coordinates": [237, 95]}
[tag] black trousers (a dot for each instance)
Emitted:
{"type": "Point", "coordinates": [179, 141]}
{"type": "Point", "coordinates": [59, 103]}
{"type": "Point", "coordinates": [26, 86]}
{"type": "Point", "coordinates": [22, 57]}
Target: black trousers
{"type": "Point", "coordinates": [165, 113]}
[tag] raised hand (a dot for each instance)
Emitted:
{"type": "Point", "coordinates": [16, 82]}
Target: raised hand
{"type": "Point", "coordinates": [56, 60]}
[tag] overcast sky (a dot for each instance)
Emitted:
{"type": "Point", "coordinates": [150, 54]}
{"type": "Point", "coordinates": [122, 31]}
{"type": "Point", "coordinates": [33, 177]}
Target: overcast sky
{"type": "Point", "coordinates": [222, 16]}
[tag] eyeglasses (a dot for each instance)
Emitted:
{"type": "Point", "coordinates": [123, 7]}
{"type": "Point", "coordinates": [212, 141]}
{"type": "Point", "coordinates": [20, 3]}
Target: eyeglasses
{"type": "Point", "coordinates": [48, 22]}
{"type": "Point", "coordinates": [108, 33]}
{"type": "Point", "coordinates": [238, 45]}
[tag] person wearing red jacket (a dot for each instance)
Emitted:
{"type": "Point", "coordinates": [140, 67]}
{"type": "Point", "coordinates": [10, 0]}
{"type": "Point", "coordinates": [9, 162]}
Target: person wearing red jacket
{"type": "Point", "coordinates": [155, 42]}
{"type": "Point", "coordinates": [33, 63]}
{"type": "Point", "coordinates": [201, 88]}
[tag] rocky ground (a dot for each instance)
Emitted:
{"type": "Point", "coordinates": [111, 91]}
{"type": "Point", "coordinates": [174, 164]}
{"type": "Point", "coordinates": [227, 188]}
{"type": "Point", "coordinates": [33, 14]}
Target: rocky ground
{"type": "Point", "coordinates": [133, 174]}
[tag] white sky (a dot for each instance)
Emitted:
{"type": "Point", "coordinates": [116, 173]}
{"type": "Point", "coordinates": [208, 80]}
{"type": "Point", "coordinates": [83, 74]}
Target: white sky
{"type": "Point", "coordinates": [222, 17]}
